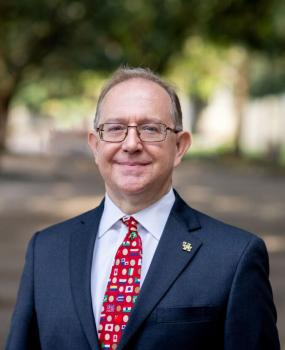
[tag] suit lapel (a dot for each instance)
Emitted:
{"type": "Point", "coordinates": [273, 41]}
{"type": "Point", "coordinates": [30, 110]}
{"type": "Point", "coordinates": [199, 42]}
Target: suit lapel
{"type": "Point", "coordinates": [81, 254]}
{"type": "Point", "coordinates": [169, 261]}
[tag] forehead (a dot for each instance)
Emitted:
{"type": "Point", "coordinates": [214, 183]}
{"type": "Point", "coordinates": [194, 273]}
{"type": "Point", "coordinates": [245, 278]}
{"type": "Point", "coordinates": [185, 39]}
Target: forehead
{"type": "Point", "coordinates": [136, 98]}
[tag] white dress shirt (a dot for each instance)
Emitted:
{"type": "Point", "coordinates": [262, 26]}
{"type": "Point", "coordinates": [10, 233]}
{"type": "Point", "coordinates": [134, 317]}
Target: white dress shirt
{"type": "Point", "coordinates": [110, 235]}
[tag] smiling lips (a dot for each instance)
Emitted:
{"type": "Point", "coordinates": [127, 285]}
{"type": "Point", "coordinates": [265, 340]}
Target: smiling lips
{"type": "Point", "coordinates": [130, 168]}
{"type": "Point", "coordinates": [130, 163]}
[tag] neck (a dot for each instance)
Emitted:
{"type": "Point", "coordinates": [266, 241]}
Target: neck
{"type": "Point", "coordinates": [131, 204]}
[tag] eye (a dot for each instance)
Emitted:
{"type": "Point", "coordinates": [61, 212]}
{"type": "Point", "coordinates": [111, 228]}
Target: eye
{"type": "Point", "coordinates": [150, 128]}
{"type": "Point", "coordinates": [115, 128]}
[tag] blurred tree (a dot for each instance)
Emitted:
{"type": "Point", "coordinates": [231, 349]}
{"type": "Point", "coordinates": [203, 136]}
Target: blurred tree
{"type": "Point", "coordinates": [247, 29]}
{"type": "Point", "coordinates": [198, 70]}
{"type": "Point", "coordinates": [59, 38]}
{"type": "Point", "coordinates": [257, 26]}
{"type": "Point", "coordinates": [267, 76]}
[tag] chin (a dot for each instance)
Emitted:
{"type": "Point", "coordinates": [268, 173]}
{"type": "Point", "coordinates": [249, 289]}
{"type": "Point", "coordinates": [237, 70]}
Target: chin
{"type": "Point", "coordinates": [130, 188]}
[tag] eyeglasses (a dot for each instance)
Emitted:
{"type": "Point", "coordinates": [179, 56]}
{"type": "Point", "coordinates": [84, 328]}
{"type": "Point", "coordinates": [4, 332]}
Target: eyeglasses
{"type": "Point", "coordinates": [149, 132]}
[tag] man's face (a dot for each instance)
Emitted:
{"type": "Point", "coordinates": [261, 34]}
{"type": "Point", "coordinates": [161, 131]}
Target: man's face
{"type": "Point", "coordinates": [132, 167]}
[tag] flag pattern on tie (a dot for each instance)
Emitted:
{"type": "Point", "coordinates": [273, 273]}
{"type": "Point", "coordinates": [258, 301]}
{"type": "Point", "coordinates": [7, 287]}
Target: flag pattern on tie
{"type": "Point", "coordinates": [122, 288]}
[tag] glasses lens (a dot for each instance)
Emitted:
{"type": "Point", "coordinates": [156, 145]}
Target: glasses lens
{"type": "Point", "coordinates": [152, 132]}
{"type": "Point", "coordinates": [113, 132]}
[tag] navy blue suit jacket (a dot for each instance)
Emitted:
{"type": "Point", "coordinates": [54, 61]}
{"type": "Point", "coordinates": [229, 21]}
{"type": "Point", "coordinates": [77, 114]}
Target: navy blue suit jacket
{"type": "Point", "coordinates": [215, 296]}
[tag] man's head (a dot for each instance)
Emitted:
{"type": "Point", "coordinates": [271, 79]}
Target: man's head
{"type": "Point", "coordinates": [137, 167]}
{"type": "Point", "coordinates": [124, 74]}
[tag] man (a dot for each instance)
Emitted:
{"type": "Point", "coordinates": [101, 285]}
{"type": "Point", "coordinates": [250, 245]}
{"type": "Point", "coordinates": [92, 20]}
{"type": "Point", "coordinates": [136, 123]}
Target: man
{"type": "Point", "coordinates": [143, 271]}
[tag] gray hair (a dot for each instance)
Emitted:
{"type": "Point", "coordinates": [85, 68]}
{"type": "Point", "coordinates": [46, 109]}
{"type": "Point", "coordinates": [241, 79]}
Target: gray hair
{"type": "Point", "coordinates": [126, 73]}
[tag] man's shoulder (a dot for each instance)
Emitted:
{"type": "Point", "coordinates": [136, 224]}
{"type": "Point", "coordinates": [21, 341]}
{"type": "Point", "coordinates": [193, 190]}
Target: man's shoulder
{"type": "Point", "coordinates": [64, 229]}
{"type": "Point", "coordinates": [214, 229]}
{"type": "Point", "coordinates": [225, 239]}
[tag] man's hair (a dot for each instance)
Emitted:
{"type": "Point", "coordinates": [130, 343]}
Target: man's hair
{"type": "Point", "coordinates": [126, 73]}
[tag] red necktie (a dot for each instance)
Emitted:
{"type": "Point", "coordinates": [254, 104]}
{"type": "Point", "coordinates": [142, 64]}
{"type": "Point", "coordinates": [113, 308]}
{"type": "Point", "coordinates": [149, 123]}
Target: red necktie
{"type": "Point", "coordinates": [122, 289]}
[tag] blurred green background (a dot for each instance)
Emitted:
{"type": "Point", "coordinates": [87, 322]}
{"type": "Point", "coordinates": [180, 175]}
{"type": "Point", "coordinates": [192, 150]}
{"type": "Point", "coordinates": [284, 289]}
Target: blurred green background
{"type": "Point", "coordinates": [227, 60]}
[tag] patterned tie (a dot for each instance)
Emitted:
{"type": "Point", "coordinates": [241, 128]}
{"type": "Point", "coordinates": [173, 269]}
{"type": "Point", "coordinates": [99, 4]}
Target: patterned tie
{"type": "Point", "coordinates": [123, 287]}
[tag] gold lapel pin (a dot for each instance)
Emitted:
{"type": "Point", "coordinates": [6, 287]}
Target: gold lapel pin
{"type": "Point", "coordinates": [187, 246]}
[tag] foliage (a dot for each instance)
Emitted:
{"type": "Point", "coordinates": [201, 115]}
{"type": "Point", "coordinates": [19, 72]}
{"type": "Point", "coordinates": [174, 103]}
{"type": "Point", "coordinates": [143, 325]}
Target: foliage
{"type": "Point", "coordinates": [60, 36]}
{"type": "Point", "coordinates": [59, 39]}
{"type": "Point", "coordinates": [199, 69]}
{"type": "Point", "coordinates": [267, 76]}
{"type": "Point", "coordinates": [257, 24]}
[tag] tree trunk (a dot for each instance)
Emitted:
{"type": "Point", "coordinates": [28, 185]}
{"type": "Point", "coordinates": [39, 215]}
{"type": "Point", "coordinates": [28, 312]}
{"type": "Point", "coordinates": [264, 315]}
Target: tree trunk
{"type": "Point", "coordinates": [241, 86]}
{"type": "Point", "coordinates": [4, 108]}
{"type": "Point", "coordinates": [198, 106]}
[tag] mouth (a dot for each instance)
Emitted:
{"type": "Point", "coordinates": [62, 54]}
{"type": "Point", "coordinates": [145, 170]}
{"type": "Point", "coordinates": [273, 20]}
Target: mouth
{"type": "Point", "coordinates": [133, 164]}
{"type": "Point", "coordinates": [132, 167]}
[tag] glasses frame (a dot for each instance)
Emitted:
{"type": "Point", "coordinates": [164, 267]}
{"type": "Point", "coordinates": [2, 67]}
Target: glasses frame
{"type": "Point", "coordinates": [100, 130]}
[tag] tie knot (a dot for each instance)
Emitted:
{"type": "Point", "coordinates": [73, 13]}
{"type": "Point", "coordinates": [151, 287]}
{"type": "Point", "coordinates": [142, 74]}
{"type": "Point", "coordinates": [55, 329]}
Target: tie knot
{"type": "Point", "coordinates": [130, 222]}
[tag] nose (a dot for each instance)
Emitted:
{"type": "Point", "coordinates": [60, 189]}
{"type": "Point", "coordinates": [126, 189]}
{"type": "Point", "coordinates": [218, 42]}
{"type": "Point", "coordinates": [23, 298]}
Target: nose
{"type": "Point", "coordinates": [132, 142]}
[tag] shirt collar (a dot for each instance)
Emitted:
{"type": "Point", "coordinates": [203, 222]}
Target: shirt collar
{"type": "Point", "coordinates": [152, 218]}
{"type": "Point", "coordinates": [110, 217]}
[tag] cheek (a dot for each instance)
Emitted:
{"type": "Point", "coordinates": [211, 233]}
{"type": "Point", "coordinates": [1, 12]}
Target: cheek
{"type": "Point", "coordinates": [104, 154]}
{"type": "Point", "coordinates": [168, 158]}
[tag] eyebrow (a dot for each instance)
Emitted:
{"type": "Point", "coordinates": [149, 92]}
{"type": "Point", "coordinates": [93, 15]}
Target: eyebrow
{"type": "Point", "coordinates": [142, 121]}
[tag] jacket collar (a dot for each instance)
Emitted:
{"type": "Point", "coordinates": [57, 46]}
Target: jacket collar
{"type": "Point", "coordinates": [81, 253]}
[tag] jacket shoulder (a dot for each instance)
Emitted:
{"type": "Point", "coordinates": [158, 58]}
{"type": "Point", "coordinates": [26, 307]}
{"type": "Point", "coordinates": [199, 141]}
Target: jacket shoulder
{"type": "Point", "coordinates": [231, 238]}
{"type": "Point", "coordinates": [65, 228]}
{"type": "Point", "coordinates": [210, 228]}
{"type": "Point", "coordinates": [217, 225]}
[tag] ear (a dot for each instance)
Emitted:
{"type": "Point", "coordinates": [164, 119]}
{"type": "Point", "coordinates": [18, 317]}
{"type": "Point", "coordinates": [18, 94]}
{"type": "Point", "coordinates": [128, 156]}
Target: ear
{"type": "Point", "coordinates": [93, 141]}
{"type": "Point", "coordinates": [183, 142]}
